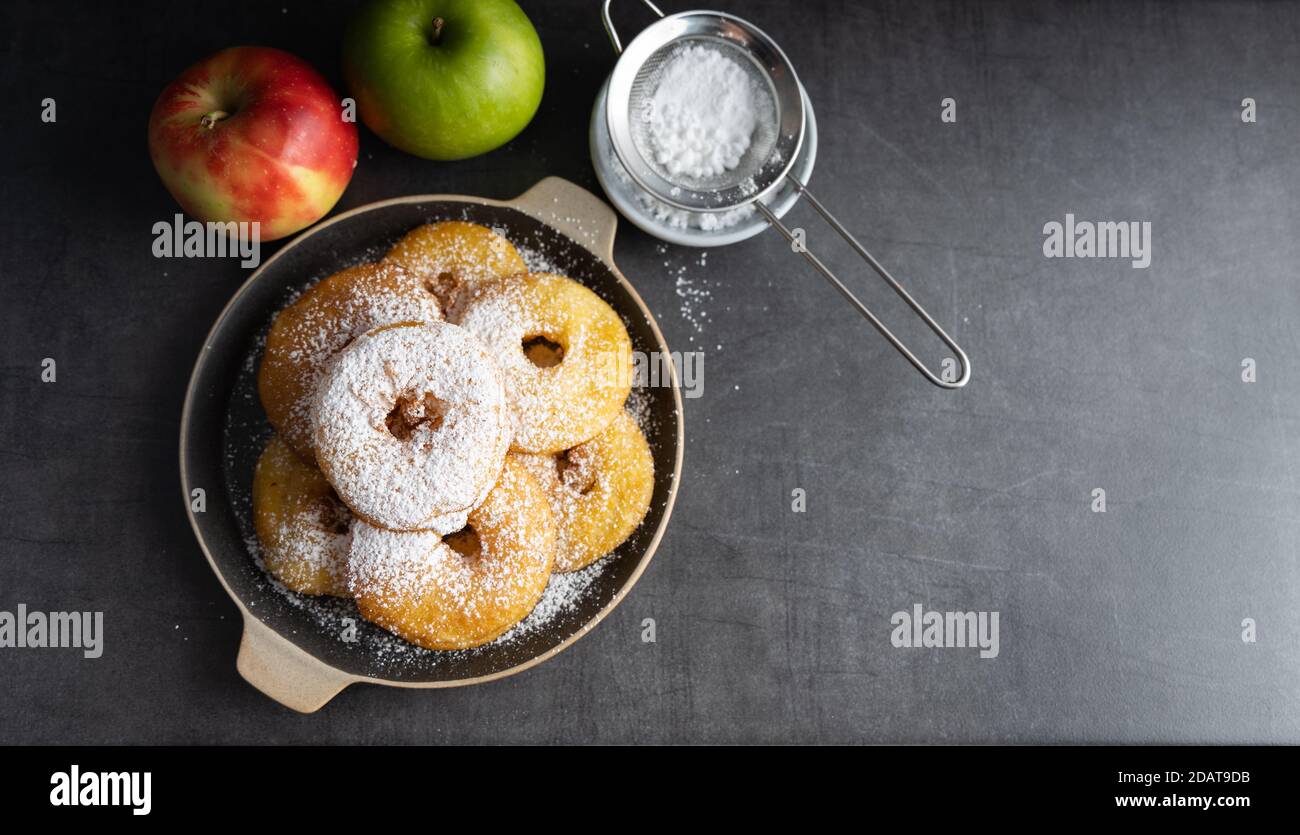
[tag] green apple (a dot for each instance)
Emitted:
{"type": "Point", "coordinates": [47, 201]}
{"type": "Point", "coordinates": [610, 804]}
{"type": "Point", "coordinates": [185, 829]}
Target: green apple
{"type": "Point", "coordinates": [444, 79]}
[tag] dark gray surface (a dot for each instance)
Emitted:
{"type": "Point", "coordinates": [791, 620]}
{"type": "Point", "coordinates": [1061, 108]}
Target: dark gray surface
{"type": "Point", "coordinates": [771, 625]}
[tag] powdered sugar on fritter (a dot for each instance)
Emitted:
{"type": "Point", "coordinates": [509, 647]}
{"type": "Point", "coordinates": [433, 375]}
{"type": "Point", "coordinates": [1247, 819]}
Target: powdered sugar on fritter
{"type": "Point", "coordinates": [559, 405]}
{"type": "Point", "coordinates": [326, 318]}
{"type": "Point", "coordinates": [452, 403]}
{"type": "Point", "coordinates": [420, 586]}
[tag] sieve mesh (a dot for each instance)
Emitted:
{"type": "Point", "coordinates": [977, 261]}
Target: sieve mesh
{"type": "Point", "coordinates": [747, 173]}
{"type": "Point", "coordinates": [777, 138]}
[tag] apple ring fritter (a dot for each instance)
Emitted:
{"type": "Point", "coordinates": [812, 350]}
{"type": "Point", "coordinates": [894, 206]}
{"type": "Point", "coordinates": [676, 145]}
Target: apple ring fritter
{"type": "Point", "coordinates": [565, 354]}
{"type": "Point", "coordinates": [466, 589]}
{"type": "Point", "coordinates": [301, 524]}
{"type": "Point", "coordinates": [599, 491]}
{"type": "Point", "coordinates": [307, 334]}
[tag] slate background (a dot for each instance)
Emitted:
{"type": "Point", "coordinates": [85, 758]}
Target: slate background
{"type": "Point", "coordinates": [772, 626]}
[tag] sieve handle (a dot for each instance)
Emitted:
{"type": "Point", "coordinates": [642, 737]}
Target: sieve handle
{"type": "Point", "coordinates": [609, 24]}
{"type": "Point", "coordinates": [889, 279]}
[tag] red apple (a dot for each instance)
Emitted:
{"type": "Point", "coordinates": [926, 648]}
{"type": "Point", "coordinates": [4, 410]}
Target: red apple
{"type": "Point", "coordinates": [253, 134]}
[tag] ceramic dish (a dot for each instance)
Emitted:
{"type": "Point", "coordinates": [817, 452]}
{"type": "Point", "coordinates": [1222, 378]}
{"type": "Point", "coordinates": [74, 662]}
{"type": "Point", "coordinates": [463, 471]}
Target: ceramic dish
{"type": "Point", "coordinates": [303, 651]}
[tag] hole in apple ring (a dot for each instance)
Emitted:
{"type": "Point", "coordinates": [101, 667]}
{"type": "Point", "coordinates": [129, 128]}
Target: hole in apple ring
{"type": "Point", "coordinates": [465, 542]}
{"type": "Point", "coordinates": [445, 287]}
{"type": "Point", "coordinates": [412, 411]}
{"type": "Point", "coordinates": [542, 351]}
{"type": "Point", "coordinates": [576, 471]}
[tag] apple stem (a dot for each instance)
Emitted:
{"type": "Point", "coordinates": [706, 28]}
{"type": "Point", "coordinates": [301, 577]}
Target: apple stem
{"type": "Point", "coordinates": [210, 120]}
{"type": "Point", "coordinates": [437, 31]}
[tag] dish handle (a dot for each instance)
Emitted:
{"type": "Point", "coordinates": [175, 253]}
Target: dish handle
{"type": "Point", "coordinates": [284, 672]}
{"type": "Point", "coordinates": [573, 211]}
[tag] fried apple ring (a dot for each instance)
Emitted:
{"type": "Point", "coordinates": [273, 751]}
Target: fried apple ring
{"type": "Point", "coordinates": [453, 257]}
{"type": "Point", "coordinates": [463, 590]}
{"type": "Point", "coordinates": [307, 334]}
{"type": "Point", "coordinates": [599, 491]}
{"type": "Point", "coordinates": [412, 425]}
{"type": "Point", "coordinates": [301, 524]}
{"type": "Point", "coordinates": [565, 354]}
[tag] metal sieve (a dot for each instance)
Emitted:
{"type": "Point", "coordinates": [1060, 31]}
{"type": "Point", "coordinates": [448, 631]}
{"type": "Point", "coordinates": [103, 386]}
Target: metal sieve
{"type": "Point", "coordinates": [762, 169]}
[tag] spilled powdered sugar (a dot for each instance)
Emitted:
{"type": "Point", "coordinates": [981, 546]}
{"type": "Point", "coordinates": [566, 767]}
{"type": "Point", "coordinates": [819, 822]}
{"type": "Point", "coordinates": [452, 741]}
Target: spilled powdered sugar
{"type": "Point", "coordinates": [537, 259]}
{"type": "Point", "coordinates": [694, 292]}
